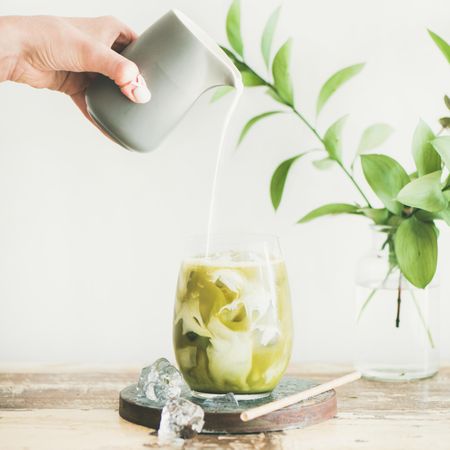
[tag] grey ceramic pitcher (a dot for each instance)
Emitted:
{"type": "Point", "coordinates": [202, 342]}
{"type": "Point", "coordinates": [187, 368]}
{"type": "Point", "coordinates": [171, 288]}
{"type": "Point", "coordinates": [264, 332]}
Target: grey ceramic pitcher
{"type": "Point", "coordinates": [179, 62]}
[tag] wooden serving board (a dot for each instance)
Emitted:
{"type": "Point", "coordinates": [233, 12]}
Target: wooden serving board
{"type": "Point", "coordinates": [225, 418]}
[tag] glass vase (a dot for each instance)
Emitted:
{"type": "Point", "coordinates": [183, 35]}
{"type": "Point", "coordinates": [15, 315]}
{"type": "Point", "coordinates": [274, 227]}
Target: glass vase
{"type": "Point", "coordinates": [397, 324]}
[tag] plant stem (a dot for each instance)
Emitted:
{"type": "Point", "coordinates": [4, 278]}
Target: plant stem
{"type": "Point", "coordinates": [364, 306]}
{"type": "Point", "coordinates": [319, 137]}
{"type": "Point", "coordinates": [352, 179]}
{"type": "Point", "coordinates": [313, 130]}
{"type": "Point", "coordinates": [305, 121]}
{"type": "Point", "coordinates": [422, 319]}
{"type": "Point", "coordinates": [416, 304]}
{"type": "Point", "coordinates": [399, 300]}
{"type": "Point", "coordinates": [373, 292]}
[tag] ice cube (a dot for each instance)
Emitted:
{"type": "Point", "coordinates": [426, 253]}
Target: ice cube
{"type": "Point", "coordinates": [230, 278]}
{"type": "Point", "coordinates": [148, 374]}
{"type": "Point", "coordinates": [180, 419]}
{"type": "Point", "coordinates": [267, 335]}
{"type": "Point", "coordinates": [230, 399]}
{"type": "Point", "coordinates": [160, 382]}
{"type": "Point", "coordinates": [221, 400]}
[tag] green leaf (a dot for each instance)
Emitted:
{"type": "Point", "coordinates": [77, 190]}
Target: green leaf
{"type": "Point", "coordinates": [445, 214]}
{"type": "Point", "coordinates": [425, 157]}
{"type": "Point", "coordinates": [271, 93]}
{"type": "Point", "coordinates": [442, 146]}
{"type": "Point", "coordinates": [374, 136]}
{"type": "Point", "coordinates": [416, 251]}
{"type": "Point", "coordinates": [240, 65]}
{"type": "Point", "coordinates": [234, 27]}
{"type": "Point", "coordinates": [425, 216]}
{"type": "Point", "coordinates": [334, 83]}
{"type": "Point", "coordinates": [445, 122]}
{"type": "Point", "coordinates": [424, 193]}
{"type": "Point", "coordinates": [279, 179]}
{"type": "Point", "coordinates": [324, 164]}
{"type": "Point", "coordinates": [333, 139]}
{"type": "Point", "coordinates": [229, 53]}
{"type": "Point", "coordinates": [447, 101]}
{"type": "Point", "coordinates": [378, 215]}
{"type": "Point", "coordinates": [281, 75]}
{"type": "Point", "coordinates": [253, 121]}
{"type": "Point", "coordinates": [267, 36]}
{"type": "Point", "coordinates": [443, 45]}
{"type": "Point", "coordinates": [250, 79]}
{"type": "Point", "coordinates": [331, 208]}
{"type": "Point", "coordinates": [220, 92]}
{"type": "Point", "coordinates": [395, 221]}
{"type": "Point", "coordinates": [386, 177]}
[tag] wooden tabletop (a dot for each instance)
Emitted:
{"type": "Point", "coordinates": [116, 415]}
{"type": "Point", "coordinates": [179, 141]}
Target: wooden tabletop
{"type": "Point", "coordinates": [65, 408]}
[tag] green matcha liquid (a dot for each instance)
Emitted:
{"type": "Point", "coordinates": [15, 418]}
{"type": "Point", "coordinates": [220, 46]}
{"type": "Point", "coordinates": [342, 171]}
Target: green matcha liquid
{"type": "Point", "coordinates": [232, 324]}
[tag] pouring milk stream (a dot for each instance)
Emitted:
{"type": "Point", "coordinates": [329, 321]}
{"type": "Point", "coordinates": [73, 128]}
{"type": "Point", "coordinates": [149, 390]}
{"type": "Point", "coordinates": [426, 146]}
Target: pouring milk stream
{"type": "Point", "coordinates": [179, 63]}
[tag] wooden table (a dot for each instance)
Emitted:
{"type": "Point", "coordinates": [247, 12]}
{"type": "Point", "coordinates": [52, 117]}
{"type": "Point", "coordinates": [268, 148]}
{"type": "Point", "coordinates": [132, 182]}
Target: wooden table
{"type": "Point", "coordinates": [65, 408]}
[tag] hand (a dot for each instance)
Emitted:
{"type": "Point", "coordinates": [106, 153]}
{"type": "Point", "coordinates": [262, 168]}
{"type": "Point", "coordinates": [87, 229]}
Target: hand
{"type": "Point", "coordinates": [64, 54]}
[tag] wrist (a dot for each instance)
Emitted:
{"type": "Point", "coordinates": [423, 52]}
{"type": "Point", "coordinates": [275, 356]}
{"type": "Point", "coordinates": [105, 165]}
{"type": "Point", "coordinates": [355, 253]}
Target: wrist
{"type": "Point", "coordinates": [11, 45]}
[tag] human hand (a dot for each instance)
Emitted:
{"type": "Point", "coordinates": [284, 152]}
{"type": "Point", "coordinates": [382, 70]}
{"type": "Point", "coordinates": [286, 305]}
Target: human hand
{"type": "Point", "coordinates": [65, 54]}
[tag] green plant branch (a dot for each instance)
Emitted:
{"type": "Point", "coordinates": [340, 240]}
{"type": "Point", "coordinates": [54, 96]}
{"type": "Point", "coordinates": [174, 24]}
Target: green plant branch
{"type": "Point", "coordinates": [305, 121]}
{"type": "Point", "coordinates": [402, 195]}
{"type": "Point", "coordinates": [355, 183]}
{"type": "Point", "coordinates": [308, 124]}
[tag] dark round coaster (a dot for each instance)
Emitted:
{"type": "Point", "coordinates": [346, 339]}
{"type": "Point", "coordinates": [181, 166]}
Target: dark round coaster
{"type": "Point", "coordinates": [224, 417]}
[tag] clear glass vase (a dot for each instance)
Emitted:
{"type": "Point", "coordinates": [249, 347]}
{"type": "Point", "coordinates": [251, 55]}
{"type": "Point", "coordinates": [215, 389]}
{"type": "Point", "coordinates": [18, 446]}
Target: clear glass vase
{"type": "Point", "coordinates": [397, 324]}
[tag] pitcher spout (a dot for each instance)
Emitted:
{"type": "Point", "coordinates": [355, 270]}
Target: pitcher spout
{"type": "Point", "coordinates": [220, 70]}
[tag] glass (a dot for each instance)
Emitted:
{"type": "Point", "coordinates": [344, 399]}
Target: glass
{"type": "Point", "coordinates": [232, 320]}
{"type": "Point", "coordinates": [397, 324]}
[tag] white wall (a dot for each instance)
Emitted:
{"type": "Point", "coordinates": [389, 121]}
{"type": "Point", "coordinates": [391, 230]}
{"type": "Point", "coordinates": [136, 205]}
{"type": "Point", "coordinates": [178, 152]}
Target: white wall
{"type": "Point", "coordinates": [91, 235]}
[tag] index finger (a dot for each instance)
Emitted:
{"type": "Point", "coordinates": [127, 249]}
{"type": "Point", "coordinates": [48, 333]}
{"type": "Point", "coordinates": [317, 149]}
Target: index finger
{"type": "Point", "coordinates": [106, 29]}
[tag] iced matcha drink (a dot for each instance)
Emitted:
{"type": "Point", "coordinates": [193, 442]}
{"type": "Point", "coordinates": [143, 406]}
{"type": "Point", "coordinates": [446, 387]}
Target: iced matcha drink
{"type": "Point", "coordinates": [232, 324]}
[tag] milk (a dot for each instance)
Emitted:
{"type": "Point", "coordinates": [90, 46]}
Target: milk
{"type": "Point", "coordinates": [219, 161]}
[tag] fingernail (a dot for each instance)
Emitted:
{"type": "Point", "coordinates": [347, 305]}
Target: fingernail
{"type": "Point", "coordinates": [140, 92]}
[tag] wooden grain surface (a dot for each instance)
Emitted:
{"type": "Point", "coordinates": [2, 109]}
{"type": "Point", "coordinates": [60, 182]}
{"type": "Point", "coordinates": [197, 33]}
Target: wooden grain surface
{"type": "Point", "coordinates": [65, 408]}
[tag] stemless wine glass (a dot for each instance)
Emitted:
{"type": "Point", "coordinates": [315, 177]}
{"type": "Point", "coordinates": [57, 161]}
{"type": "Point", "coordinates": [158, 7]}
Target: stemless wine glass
{"type": "Point", "coordinates": [232, 320]}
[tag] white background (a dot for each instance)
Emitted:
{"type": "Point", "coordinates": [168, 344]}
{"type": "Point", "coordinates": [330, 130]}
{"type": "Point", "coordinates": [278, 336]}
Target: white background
{"type": "Point", "coordinates": [91, 235]}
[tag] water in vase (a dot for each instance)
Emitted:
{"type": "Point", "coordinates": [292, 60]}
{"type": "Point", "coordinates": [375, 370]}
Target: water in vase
{"type": "Point", "coordinates": [386, 351]}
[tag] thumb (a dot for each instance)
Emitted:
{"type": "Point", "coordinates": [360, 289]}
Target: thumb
{"type": "Point", "coordinates": [122, 71]}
